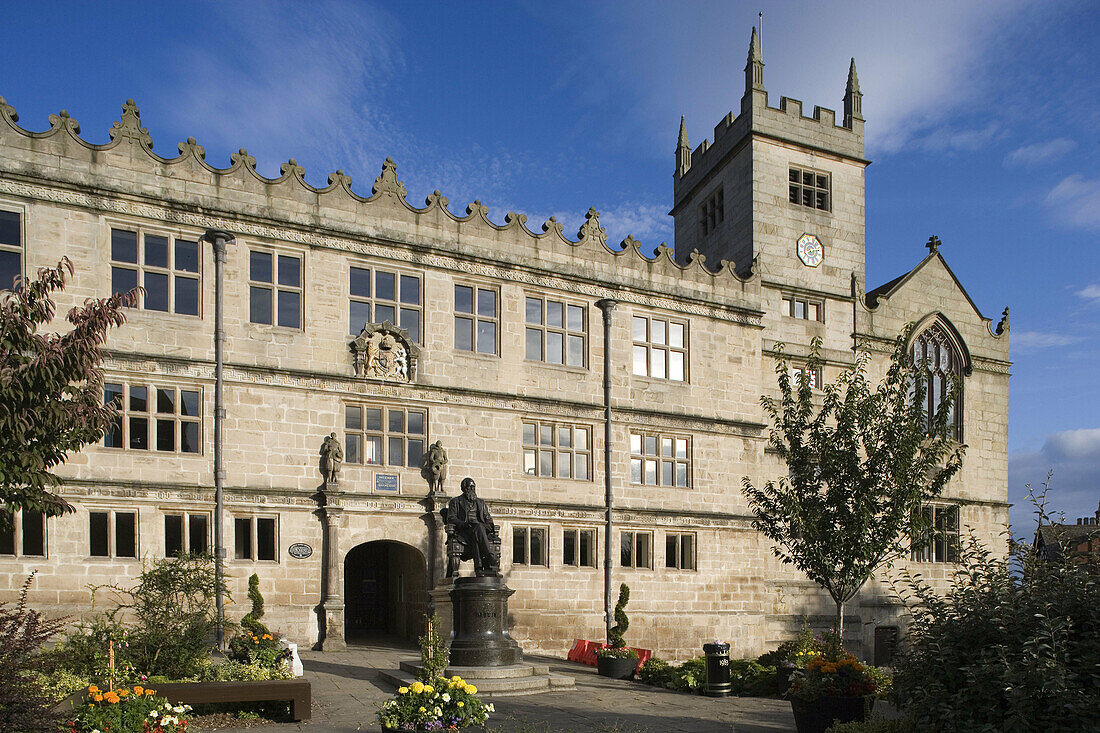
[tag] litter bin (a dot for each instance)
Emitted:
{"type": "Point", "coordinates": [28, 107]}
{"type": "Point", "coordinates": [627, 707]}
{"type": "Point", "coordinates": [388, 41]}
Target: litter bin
{"type": "Point", "coordinates": [718, 669]}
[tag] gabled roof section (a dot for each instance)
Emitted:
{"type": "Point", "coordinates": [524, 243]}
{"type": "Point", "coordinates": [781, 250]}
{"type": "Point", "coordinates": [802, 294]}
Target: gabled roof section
{"type": "Point", "coordinates": [888, 289]}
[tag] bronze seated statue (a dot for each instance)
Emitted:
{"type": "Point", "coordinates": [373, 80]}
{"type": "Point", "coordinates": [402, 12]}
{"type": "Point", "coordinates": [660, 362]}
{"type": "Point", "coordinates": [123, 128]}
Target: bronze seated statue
{"type": "Point", "coordinates": [471, 534]}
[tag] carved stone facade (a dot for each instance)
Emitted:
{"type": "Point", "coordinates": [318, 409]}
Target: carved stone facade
{"type": "Point", "coordinates": [519, 404]}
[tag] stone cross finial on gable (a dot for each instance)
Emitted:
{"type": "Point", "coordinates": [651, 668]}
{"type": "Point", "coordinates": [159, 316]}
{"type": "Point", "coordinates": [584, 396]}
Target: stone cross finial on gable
{"type": "Point", "coordinates": [130, 125]}
{"type": "Point", "coordinates": [933, 244]}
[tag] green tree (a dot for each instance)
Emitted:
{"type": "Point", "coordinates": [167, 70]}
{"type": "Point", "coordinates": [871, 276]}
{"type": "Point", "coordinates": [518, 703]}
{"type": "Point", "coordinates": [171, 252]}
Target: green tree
{"type": "Point", "coordinates": [51, 387]}
{"type": "Point", "coordinates": [861, 460]}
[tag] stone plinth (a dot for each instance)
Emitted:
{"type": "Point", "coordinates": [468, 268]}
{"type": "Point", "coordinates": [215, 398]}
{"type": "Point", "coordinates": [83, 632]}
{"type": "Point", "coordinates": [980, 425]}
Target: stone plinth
{"type": "Point", "coordinates": [479, 611]}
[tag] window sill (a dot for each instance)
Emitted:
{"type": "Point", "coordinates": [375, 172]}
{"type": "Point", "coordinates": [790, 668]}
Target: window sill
{"type": "Point", "coordinates": [560, 367]}
{"type": "Point", "coordinates": [529, 476]}
{"type": "Point", "coordinates": [477, 354]}
{"type": "Point", "coordinates": [661, 380]}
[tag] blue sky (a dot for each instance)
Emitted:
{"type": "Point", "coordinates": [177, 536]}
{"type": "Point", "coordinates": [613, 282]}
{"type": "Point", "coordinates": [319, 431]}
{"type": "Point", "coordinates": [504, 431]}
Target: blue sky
{"type": "Point", "coordinates": [981, 122]}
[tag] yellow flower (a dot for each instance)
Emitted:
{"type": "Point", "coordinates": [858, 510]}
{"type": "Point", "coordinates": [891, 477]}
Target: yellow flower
{"type": "Point", "coordinates": [416, 687]}
{"type": "Point", "coordinates": [470, 689]}
{"type": "Point", "coordinates": [423, 709]}
{"type": "Point", "coordinates": [429, 689]}
{"type": "Point", "coordinates": [456, 678]}
{"type": "Point", "coordinates": [403, 690]}
{"type": "Point", "coordinates": [461, 704]}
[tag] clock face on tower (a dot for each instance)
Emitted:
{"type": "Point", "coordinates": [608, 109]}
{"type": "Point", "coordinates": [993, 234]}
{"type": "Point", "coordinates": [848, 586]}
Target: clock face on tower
{"type": "Point", "coordinates": [810, 250]}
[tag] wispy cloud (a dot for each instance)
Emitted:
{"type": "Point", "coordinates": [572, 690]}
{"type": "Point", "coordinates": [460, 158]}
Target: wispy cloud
{"type": "Point", "coordinates": [950, 139]}
{"type": "Point", "coordinates": [1041, 152]}
{"type": "Point", "coordinates": [643, 221]}
{"type": "Point", "coordinates": [1075, 202]}
{"type": "Point", "coordinates": [1090, 292]}
{"type": "Point", "coordinates": [1032, 340]}
{"type": "Point", "coordinates": [1074, 456]}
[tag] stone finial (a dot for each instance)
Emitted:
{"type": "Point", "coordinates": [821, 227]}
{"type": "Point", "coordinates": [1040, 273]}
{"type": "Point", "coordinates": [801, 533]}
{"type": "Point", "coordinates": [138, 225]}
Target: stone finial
{"type": "Point", "coordinates": [591, 231]}
{"type": "Point", "coordinates": [853, 98]}
{"type": "Point", "coordinates": [8, 111]}
{"type": "Point", "coordinates": [683, 150]}
{"type": "Point", "coordinates": [514, 217]}
{"type": "Point", "coordinates": [242, 156]}
{"type": "Point", "coordinates": [63, 120]}
{"type": "Point", "coordinates": [436, 198]}
{"type": "Point", "coordinates": [291, 168]}
{"type": "Point", "coordinates": [130, 126]}
{"type": "Point", "coordinates": [553, 225]}
{"type": "Point", "coordinates": [1002, 325]}
{"type": "Point", "coordinates": [754, 67]}
{"type": "Point", "coordinates": [339, 177]}
{"type": "Point", "coordinates": [192, 147]}
{"type": "Point", "coordinates": [933, 244]}
{"type": "Point", "coordinates": [387, 182]}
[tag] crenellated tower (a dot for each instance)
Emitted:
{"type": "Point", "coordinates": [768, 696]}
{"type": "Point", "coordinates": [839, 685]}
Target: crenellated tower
{"type": "Point", "coordinates": [779, 187]}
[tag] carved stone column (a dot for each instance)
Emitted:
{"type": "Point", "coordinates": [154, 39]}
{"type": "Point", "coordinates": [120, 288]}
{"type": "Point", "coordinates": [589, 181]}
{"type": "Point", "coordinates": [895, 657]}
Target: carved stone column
{"type": "Point", "coordinates": [433, 502]}
{"type": "Point", "coordinates": [333, 604]}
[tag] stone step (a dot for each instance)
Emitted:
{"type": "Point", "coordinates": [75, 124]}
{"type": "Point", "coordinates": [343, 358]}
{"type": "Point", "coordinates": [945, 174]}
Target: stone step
{"type": "Point", "coordinates": [507, 671]}
{"type": "Point", "coordinates": [530, 684]}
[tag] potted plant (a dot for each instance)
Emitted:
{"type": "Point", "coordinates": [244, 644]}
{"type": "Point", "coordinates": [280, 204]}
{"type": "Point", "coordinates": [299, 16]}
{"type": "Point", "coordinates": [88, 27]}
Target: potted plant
{"type": "Point", "coordinates": [616, 660]}
{"type": "Point", "coordinates": [833, 688]}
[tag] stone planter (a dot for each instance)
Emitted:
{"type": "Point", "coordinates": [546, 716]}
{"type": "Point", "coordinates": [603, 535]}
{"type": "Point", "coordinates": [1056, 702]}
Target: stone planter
{"type": "Point", "coordinates": [815, 716]}
{"type": "Point", "coordinates": [617, 668]}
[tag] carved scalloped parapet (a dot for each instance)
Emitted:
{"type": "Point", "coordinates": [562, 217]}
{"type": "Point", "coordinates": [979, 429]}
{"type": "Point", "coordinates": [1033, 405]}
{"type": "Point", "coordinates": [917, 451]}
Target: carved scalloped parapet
{"type": "Point", "coordinates": [476, 222]}
{"type": "Point", "coordinates": [387, 182]}
{"type": "Point", "coordinates": [384, 351]}
{"type": "Point", "coordinates": [129, 127]}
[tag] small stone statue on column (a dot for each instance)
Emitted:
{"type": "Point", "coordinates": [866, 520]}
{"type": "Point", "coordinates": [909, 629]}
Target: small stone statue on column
{"type": "Point", "coordinates": [435, 467]}
{"type": "Point", "coordinates": [332, 455]}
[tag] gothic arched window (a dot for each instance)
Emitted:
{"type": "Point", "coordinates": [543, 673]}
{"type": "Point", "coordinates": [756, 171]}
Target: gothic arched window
{"type": "Point", "coordinates": [935, 352]}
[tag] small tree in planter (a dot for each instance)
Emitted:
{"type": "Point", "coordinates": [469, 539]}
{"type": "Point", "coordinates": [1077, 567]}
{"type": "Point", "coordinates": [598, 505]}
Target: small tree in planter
{"type": "Point", "coordinates": [616, 659]}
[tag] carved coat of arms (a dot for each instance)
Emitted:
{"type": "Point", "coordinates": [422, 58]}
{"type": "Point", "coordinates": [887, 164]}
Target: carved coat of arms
{"type": "Point", "coordinates": [384, 351]}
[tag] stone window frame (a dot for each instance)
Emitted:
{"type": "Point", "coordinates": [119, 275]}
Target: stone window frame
{"type": "Point", "coordinates": [546, 331]}
{"type": "Point", "coordinates": [942, 545]}
{"type": "Point", "coordinates": [665, 453]}
{"type": "Point", "coordinates": [526, 531]}
{"type": "Point", "coordinates": [645, 344]}
{"type": "Point", "coordinates": [712, 212]}
{"type": "Point", "coordinates": [534, 449]}
{"type": "Point", "coordinates": [112, 532]}
{"type": "Point", "coordinates": [18, 248]}
{"type": "Point", "coordinates": [477, 318]}
{"type": "Point", "coordinates": [677, 543]}
{"type": "Point", "coordinates": [384, 434]}
{"type": "Point", "coordinates": [819, 187]}
{"type": "Point", "coordinates": [398, 304]}
{"type": "Point", "coordinates": [275, 287]}
{"type": "Point", "coordinates": [803, 308]}
{"type": "Point", "coordinates": [254, 537]}
{"type": "Point", "coordinates": [577, 544]}
{"type": "Point", "coordinates": [123, 426]}
{"type": "Point", "coordinates": [937, 338]}
{"type": "Point", "coordinates": [628, 558]}
{"type": "Point", "coordinates": [814, 374]}
{"type": "Point", "coordinates": [186, 544]}
{"type": "Point", "coordinates": [14, 535]}
{"type": "Point", "coordinates": [172, 273]}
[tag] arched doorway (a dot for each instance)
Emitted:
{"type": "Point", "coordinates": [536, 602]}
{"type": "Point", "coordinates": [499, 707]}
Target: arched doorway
{"type": "Point", "coordinates": [385, 591]}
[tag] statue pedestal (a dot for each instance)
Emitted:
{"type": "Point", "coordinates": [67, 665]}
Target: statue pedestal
{"type": "Point", "coordinates": [479, 612]}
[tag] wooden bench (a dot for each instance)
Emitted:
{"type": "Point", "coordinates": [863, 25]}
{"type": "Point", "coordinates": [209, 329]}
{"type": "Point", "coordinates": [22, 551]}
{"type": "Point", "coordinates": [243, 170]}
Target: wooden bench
{"type": "Point", "coordinates": [297, 692]}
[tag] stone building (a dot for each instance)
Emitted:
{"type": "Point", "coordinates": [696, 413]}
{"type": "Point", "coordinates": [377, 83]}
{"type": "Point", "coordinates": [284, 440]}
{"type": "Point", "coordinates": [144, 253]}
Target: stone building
{"type": "Point", "coordinates": [396, 326]}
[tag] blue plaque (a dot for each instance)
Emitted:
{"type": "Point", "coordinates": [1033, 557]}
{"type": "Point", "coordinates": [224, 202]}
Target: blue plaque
{"type": "Point", "coordinates": [385, 483]}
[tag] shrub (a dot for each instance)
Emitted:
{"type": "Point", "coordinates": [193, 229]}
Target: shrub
{"type": "Point", "coordinates": [97, 649]}
{"type": "Point", "coordinates": [797, 651]}
{"type": "Point", "coordinates": [251, 620]}
{"type": "Point", "coordinates": [434, 654]}
{"type": "Point", "coordinates": [874, 724]}
{"type": "Point", "coordinates": [59, 684]}
{"type": "Point", "coordinates": [1012, 645]}
{"type": "Point", "coordinates": [656, 672]}
{"type": "Point", "coordinates": [749, 677]}
{"type": "Point", "coordinates": [884, 682]}
{"type": "Point", "coordinates": [232, 671]}
{"type": "Point", "coordinates": [23, 631]}
{"type": "Point", "coordinates": [691, 676]}
{"type": "Point", "coordinates": [622, 623]}
{"type": "Point", "coordinates": [128, 710]}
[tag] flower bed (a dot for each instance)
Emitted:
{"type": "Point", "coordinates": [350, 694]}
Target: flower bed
{"type": "Point", "coordinates": [128, 710]}
{"type": "Point", "coordinates": [442, 704]}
